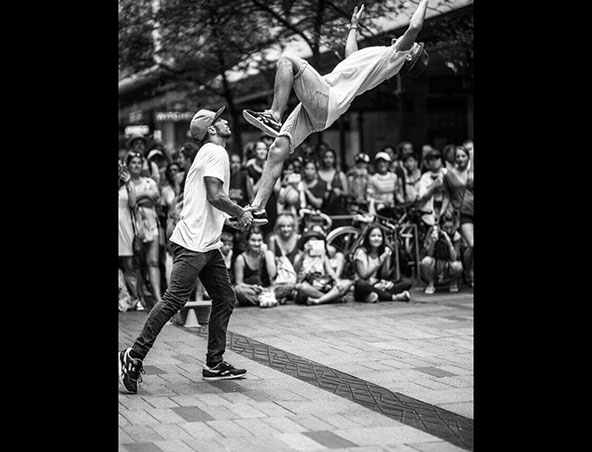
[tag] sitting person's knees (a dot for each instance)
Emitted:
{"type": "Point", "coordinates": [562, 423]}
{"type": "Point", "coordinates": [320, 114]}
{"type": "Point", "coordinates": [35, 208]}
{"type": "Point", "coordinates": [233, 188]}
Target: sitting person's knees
{"type": "Point", "coordinates": [456, 267]}
{"type": "Point", "coordinates": [428, 262]}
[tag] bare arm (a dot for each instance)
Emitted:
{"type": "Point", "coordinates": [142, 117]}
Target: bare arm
{"type": "Point", "coordinates": [270, 264]}
{"type": "Point", "coordinates": [351, 44]}
{"type": "Point", "coordinates": [250, 190]}
{"type": "Point", "coordinates": [406, 41]}
{"type": "Point", "coordinates": [221, 201]}
{"type": "Point", "coordinates": [239, 270]}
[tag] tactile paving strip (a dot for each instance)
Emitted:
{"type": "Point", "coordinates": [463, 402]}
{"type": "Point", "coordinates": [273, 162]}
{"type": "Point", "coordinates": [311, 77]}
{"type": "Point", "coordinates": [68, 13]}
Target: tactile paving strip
{"type": "Point", "coordinates": [446, 425]}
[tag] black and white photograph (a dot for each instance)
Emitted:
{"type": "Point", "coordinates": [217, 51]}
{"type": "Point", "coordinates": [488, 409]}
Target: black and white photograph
{"type": "Point", "coordinates": [295, 226]}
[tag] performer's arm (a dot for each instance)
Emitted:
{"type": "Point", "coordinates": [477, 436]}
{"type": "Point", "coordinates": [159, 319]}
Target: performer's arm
{"type": "Point", "coordinates": [221, 201]}
{"type": "Point", "coordinates": [351, 45]}
{"type": "Point", "coordinates": [415, 25]}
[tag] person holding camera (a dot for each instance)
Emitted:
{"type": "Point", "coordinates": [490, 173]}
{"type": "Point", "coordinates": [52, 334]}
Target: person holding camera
{"type": "Point", "coordinates": [441, 261]}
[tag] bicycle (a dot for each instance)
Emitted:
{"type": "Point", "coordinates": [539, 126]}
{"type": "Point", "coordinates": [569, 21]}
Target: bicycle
{"type": "Point", "coordinates": [401, 235]}
{"type": "Point", "coordinates": [314, 219]}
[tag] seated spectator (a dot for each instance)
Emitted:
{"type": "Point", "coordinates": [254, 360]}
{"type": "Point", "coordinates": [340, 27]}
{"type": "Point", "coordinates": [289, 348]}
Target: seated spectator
{"type": "Point", "coordinates": [317, 282]}
{"type": "Point", "coordinates": [357, 179]}
{"type": "Point", "coordinates": [227, 250]}
{"type": "Point", "coordinates": [372, 265]}
{"type": "Point", "coordinates": [254, 270]}
{"type": "Point", "coordinates": [312, 188]}
{"type": "Point", "coordinates": [442, 255]}
{"type": "Point", "coordinates": [283, 244]}
{"type": "Point", "coordinates": [384, 187]}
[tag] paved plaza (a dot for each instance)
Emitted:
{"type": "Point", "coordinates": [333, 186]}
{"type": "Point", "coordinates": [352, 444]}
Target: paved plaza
{"type": "Point", "coordinates": [356, 377]}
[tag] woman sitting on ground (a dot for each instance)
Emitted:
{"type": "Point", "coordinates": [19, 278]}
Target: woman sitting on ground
{"type": "Point", "coordinates": [317, 282]}
{"type": "Point", "coordinates": [372, 264]}
{"type": "Point", "coordinates": [254, 269]}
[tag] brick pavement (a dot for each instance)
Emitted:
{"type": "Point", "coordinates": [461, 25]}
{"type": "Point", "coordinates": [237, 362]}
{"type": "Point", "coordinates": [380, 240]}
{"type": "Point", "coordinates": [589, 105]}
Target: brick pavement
{"type": "Point", "coordinates": [421, 353]}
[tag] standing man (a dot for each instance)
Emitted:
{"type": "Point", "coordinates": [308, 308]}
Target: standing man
{"type": "Point", "coordinates": [196, 244]}
{"type": "Point", "coordinates": [323, 99]}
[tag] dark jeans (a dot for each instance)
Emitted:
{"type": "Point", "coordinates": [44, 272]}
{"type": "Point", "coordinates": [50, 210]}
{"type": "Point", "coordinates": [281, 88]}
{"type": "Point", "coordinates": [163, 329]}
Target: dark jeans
{"type": "Point", "coordinates": [363, 288]}
{"type": "Point", "coordinates": [212, 272]}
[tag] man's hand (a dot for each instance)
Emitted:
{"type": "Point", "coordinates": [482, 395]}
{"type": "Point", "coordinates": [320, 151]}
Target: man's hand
{"type": "Point", "coordinates": [356, 16]}
{"type": "Point", "coordinates": [245, 220]}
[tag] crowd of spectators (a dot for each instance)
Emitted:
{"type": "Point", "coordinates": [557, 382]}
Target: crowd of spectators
{"type": "Point", "coordinates": [288, 260]}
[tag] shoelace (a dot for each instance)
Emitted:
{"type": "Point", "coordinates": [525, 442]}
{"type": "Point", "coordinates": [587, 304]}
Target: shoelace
{"type": "Point", "coordinates": [270, 120]}
{"type": "Point", "coordinates": [136, 371]}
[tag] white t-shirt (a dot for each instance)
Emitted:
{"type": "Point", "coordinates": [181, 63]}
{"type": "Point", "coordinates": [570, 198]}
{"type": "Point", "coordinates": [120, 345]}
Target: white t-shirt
{"type": "Point", "coordinates": [200, 224]}
{"type": "Point", "coordinates": [363, 70]}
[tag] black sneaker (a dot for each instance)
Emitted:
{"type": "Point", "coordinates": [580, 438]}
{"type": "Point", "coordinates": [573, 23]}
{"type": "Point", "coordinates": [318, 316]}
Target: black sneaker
{"type": "Point", "coordinates": [264, 121]}
{"type": "Point", "coordinates": [130, 370]}
{"type": "Point", "coordinates": [259, 216]}
{"type": "Point", "coordinates": [222, 371]}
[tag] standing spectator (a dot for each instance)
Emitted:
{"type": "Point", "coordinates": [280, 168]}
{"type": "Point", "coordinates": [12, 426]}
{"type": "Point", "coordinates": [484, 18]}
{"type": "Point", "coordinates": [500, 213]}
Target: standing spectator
{"type": "Point", "coordinates": [157, 157]}
{"type": "Point", "coordinates": [441, 259]}
{"type": "Point", "coordinates": [254, 269]}
{"type": "Point", "coordinates": [383, 187]}
{"type": "Point", "coordinates": [468, 145]}
{"type": "Point", "coordinates": [430, 187]}
{"type": "Point", "coordinates": [412, 176]}
{"type": "Point", "coordinates": [241, 186]}
{"type": "Point", "coordinates": [312, 188]}
{"type": "Point", "coordinates": [168, 193]}
{"type": "Point", "coordinates": [357, 179]}
{"type": "Point", "coordinates": [458, 194]}
{"type": "Point", "coordinates": [126, 239]}
{"type": "Point", "coordinates": [372, 264]}
{"type": "Point", "coordinates": [255, 170]}
{"type": "Point", "coordinates": [337, 188]}
{"type": "Point", "coordinates": [448, 155]}
{"type": "Point", "coordinates": [144, 194]}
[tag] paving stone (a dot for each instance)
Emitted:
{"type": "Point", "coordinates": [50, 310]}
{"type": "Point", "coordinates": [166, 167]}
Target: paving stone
{"type": "Point", "coordinates": [174, 445]}
{"type": "Point", "coordinates": [228, 428]}
{"type": "Point", "coordinates": [171, 432]}
{"type": "Point", "coordinates": [300, 442]}
{"type": "Point", "coordinates": [192, 413]}
{"type": "Point", "coordinates": [329, 439]}
{"type": "Point", "coordinates": [142, 447]}
{"type": "Point", "coordinates": [200, 430]}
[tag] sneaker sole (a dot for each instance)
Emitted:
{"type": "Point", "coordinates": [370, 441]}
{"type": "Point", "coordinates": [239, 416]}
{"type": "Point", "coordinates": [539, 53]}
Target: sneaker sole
{"type": "Point", "coordinates": [257, 222]}
{"type": "Point", "coordinates": [225, 377]}
{"type": "Point", "coordinates": [255, 122]}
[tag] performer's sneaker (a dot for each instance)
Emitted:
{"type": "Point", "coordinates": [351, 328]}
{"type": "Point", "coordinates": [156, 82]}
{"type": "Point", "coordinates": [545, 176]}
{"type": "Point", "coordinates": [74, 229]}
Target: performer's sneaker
{"type": "Point", "coordinates": [222, 371]}
{"type": "Point", "coordinates": [264, 121]}
{"type": "Point", "coordinates": [130, 370]}
{"type": "Point", "coordinates": [259, 216]}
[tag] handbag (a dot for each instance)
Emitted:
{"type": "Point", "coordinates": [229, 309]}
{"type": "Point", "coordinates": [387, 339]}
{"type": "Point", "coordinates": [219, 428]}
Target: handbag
{"type": "Point", "coordinates": [286, 274]}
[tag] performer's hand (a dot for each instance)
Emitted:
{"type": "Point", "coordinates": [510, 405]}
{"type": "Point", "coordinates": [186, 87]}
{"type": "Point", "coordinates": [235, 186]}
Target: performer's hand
{"type": "Point", "coordinates": [245, 220]}
{"type": "Point", "coordinates": [356, 15]}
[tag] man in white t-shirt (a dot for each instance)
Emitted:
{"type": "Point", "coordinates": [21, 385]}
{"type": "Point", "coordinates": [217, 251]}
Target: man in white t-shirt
{"type": "Point", "coordinates": [196, 244]}
{"type": "Point", "coordinates": [323, 99]}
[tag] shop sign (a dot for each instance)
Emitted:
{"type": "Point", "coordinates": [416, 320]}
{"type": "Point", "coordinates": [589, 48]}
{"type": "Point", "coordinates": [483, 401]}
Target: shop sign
{"type": "Point", "coordinates": [137, 129]}
{"type": "Point", "coordinates": [174, 116]}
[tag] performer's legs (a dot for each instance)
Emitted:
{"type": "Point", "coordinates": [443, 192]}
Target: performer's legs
{"type": "Point", "coordinates": [288, 66]}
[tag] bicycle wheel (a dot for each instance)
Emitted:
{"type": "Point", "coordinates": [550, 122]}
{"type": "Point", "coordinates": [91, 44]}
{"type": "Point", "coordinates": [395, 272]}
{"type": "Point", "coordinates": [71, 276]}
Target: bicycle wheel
{"type": "Point", "coordinates": [343, 238]}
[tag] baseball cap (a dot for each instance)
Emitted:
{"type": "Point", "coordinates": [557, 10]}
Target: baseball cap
{"type": "Point", "coordinates": [416, 61]}
{"type": "Point", "coordinates": [382, 155]}
{"type": "Point", "coordinates": [202, 120]}
{"type": "Point", "coordinates": [362, 157]}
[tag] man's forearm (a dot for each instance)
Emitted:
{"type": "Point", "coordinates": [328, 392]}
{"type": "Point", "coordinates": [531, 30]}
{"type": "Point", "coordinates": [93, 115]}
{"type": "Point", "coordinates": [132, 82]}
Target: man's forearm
{"type": "Point", "coordinates": [222, 202]}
